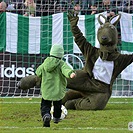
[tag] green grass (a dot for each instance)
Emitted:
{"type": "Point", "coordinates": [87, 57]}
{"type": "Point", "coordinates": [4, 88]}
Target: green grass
{"type": "Point", "coordinates": [21, 115]}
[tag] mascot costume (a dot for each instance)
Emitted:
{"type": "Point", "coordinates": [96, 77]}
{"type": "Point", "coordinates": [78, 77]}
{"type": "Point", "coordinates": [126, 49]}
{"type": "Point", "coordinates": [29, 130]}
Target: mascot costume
{"type": "Point", "coordinates": [92, 86]}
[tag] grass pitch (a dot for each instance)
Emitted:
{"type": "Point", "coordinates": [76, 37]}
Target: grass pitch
{"type": "Point", "coordinates": [22, 115]}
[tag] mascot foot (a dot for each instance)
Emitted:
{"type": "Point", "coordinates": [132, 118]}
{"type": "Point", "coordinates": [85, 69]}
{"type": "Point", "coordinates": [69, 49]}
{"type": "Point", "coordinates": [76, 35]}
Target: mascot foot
{"type": "Point", "coordinates": [29, 82]}
{"type": "Point", "coordinates": [18, 85]}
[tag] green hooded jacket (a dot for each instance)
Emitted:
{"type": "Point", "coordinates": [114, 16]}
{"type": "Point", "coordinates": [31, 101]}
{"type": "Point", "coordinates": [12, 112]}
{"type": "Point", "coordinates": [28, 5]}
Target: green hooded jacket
{"type": "Point", "coordinates": [53, 72]}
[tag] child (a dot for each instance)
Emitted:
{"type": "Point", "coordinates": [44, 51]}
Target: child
{"type": "Point", "coordinates": [53, 72]}
{"type": "Point", "coordinates": [30, 8]}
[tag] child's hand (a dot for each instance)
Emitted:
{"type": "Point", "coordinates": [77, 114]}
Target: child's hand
{"type": "Point", "coordinates": [72, 75]}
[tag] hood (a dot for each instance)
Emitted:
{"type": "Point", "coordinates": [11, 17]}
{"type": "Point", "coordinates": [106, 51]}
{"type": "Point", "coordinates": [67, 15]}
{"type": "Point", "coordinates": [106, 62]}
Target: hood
{"type": "Point", "coordinates": [109, 56]}
{"type": "Point", "coordinates": [50, 63]}
{"type": "Point", "coordinates": [57, 51]}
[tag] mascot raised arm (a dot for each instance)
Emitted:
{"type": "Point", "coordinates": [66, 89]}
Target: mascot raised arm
{"type": "Point", "coordinates": [92, 87]}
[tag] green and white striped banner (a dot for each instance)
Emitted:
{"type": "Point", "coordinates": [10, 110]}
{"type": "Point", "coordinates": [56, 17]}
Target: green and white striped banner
{"type": "Point", "coordinates": [35, 35]}
{"type": "Point", "coordinates": [126, 25]}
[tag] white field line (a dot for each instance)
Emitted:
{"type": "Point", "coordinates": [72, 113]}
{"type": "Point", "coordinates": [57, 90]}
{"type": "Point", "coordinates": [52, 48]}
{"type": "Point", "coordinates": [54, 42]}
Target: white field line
{"type": "Point", "coordinates": [120, 102]}
{"type": "Point", "coordinates": [39, 102]}
{"type": "Point", "coordinates": [66, 128]}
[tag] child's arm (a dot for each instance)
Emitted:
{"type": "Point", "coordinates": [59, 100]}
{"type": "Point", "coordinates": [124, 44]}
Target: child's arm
{"type": "Point", "coordinates": [67, 71]}
{"type": "Point", "coordinates": [39, 71]}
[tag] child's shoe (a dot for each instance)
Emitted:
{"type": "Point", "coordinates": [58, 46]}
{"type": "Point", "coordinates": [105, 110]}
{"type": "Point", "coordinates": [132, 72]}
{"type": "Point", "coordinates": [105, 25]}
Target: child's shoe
{"type": "Point", "coordinates": [56, 120]}
{"type": "Point", "coordinates": [46, 120]}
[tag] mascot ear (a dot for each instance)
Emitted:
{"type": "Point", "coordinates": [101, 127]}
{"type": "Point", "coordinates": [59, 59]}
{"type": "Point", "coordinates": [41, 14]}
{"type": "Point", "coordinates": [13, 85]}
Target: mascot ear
{"type": "Point", "coordinates": [115, 19]}
{"type": "Point", "coordinates": [102, 19]}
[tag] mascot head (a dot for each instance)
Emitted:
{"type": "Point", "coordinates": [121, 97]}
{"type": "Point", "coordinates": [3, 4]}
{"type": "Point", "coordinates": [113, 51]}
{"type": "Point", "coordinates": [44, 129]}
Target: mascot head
{"type": "Point", "coordinates": [107, 35]}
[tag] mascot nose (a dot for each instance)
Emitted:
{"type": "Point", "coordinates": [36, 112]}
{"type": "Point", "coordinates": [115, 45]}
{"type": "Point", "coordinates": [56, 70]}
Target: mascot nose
{"type": "Point", "coordinates": [104, 37]}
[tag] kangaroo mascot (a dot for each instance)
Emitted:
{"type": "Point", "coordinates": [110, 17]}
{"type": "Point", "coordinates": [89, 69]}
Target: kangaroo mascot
{"type": "Point", "coordinates": [92, 87]}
